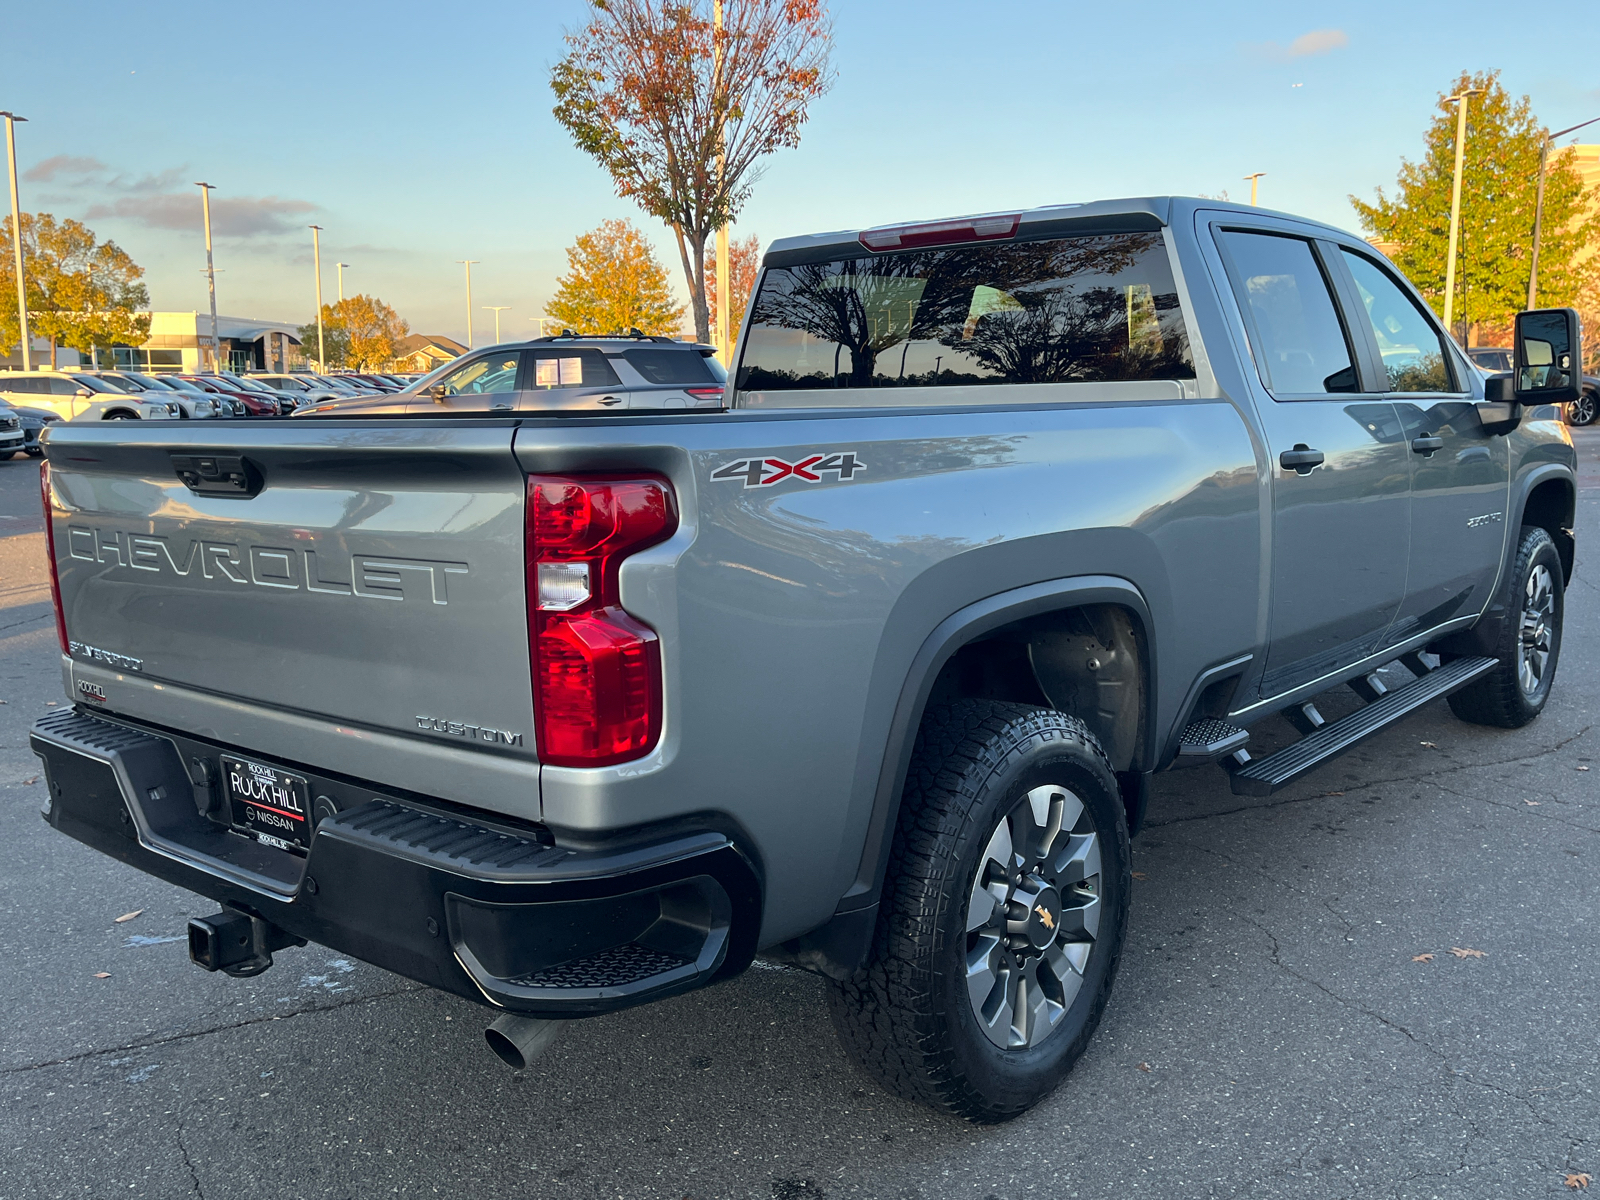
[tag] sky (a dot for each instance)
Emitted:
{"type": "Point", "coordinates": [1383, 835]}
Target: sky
{"type": "Point", "coordinates": [418, 135]}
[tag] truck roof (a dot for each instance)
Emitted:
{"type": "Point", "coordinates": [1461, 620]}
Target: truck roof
{"type": "Point", "coordinates": [1126, 214]}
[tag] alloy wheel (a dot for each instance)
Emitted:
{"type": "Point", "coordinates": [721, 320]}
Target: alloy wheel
{"type": "Point", "coordinates": [1538, 623]}
{"type": "Point", "coordinates": [1032, 917]}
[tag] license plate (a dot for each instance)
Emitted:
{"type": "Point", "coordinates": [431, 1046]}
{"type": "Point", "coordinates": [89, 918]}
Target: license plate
{"type": "Point", "coordinates": [270, 805]}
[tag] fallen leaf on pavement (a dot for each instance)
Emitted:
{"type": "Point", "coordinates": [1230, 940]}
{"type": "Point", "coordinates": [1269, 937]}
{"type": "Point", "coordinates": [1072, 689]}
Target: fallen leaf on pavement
{"type": "Point", "coordinates": [1583, 769]}
{"type": "Point", "coordinates": [1533, 803]}
{"type": "Point", "coordinates": [1333, 793]}
{"type": "Point", "coordinates": [1580, 1180]}
{"type": "Point", "coordinates": [1463, 952]}
{"type": "Point", "coordinates": [1430, 745]}
{"type": "Point", "coordinates": [1140, 875]}
{"type": "Point", "coordinates": [1144, 1066]}
{"type": "Point", "coordinates": [128, 916]}
{"type": "Point", "coordinates": [49, 703]}
{"type": "Point", "coordinates": [31, 779]}
{"type": "Point", "coordinates": [102, 974]}
{"type": "Point", "coordinates": [1422, 958]}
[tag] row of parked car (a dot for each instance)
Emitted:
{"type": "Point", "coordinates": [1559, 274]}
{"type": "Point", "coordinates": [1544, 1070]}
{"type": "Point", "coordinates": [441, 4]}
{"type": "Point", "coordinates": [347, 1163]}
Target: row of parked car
{"type": "Point", "coordinates": [31, 400]}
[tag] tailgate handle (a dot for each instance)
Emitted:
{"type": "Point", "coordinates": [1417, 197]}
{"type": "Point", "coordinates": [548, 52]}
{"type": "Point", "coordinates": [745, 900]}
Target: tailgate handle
{"type": "Point", "coordinates": [218, 474]}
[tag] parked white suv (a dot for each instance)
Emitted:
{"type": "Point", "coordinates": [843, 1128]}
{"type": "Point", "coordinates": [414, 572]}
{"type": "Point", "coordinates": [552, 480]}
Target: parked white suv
{"type": "Point", "coordinates": [77, 397]}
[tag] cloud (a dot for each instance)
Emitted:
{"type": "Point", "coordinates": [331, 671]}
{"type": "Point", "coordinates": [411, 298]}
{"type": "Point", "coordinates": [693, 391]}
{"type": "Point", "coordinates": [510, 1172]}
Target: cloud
{"type": "Point", "coordinates": [231, 216]}
{"type": "Point", "coordinates": [169, 178]}
{"type": "Point", "coordinates": [1307, 45]}
{"type": "Point", "coordinates": [64, 165]}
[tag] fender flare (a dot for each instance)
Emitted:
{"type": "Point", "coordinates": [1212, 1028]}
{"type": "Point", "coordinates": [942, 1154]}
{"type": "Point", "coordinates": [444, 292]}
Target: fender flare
{"type": "Point", "coordinates": [837, 947]}
{"type": "Point", "coordinates": [1483, 637]}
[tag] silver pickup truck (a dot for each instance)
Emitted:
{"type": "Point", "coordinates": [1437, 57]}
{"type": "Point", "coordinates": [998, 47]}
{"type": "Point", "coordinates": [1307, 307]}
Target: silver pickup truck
{"type": "Point", "coordinates": [866, 671]}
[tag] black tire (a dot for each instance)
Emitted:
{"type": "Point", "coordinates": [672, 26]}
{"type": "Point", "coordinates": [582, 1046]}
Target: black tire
{"type": "Point", "coordinates": [1582, 410]}
{"type": "Point", "coordinates": [1504, 697]}
{"type": "Point", "coordinates": [8, 455]}
{"type": "Point", "coordinates": [120, 416]}
{"type": "Point", "coordinates": [907, 1017]}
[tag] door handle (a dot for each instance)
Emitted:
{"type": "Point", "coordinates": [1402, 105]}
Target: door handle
{"type": "Point", "coordinates": [1427, 444]}
{"type": "Point", "coordinates": [1301, 460]}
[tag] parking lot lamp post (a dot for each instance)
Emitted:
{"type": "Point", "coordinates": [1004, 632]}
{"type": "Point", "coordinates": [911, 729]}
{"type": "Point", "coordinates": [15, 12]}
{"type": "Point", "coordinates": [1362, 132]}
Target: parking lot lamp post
{"type": "Point", "coordinates": [1538, 206]}
{"type": "Point", "coordinates": [16, 239]}
{"type": "Point", "coordinates": [316, 261]}
{"type": "Point", "coordinates": [341, 267]}
{"type": "Point", "coordinates": [211, 274]}
{"type": "Point", "coordinates": [497, 309]}
{"type": "Point", "coordinates": [1455, 203]}
{"type": "Point", "coordinates": [467, 262]}
{"type": "Point", "coordinates": [1255, 184]}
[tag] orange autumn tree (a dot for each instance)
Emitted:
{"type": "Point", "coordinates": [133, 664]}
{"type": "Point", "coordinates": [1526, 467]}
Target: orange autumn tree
{"type": "Point", "coordinates": [656, 94]}
{"type": "Point", "coordinates": [744, 260]}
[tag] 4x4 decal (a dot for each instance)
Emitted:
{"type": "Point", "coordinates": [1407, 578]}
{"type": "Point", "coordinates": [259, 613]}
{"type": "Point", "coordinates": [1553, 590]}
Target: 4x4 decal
{"type": "Point", "coordinates": [764, 472]}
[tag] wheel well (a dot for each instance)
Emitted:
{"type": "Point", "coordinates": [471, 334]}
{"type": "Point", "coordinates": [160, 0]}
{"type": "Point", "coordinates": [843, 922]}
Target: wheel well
{"type": "Point", "coordinates": [1090, 661]}
{"type": "Point", "coordinates": [1551, 507]}
{"type": "Point", "coordinates": [117, 412]}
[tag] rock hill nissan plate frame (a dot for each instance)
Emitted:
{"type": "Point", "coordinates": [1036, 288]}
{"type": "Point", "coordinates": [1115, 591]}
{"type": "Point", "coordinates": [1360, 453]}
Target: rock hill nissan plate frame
{"type": "Point", "coordinates": [268, 805]}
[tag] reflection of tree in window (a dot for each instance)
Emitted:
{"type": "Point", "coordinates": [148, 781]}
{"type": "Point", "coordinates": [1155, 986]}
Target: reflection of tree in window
{"type": "Point", "coordinates": [1089, 308]}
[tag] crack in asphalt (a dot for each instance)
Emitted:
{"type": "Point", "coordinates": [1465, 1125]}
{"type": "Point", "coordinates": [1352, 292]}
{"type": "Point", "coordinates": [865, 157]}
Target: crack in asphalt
{"type": "Point", "coordinates": [1275, 957]}
{"type": "Point", "coordinates": [200, 1033]}
{"type": "Point", "coordinates": [1370, 783]}
{"type": "Point", "coordinates": [194, 1175]}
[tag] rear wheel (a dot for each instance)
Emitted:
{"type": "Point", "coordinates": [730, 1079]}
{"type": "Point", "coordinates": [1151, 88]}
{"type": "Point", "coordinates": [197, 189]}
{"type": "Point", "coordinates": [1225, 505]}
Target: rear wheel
{"type": "Point", "coordinates": [1516, 691]}
{"type": "Point", "coordinates": [1002, 918]}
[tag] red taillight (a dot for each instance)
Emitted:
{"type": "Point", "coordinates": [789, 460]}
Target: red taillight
{"type": "Point", "coordinates": [596, 669]}
{"type": "Point", "coordinates": [989, 227]}
{"type": "Point", "coordinates": [706, 393]}
{"type": "Point", "coordinates": [50, 550]}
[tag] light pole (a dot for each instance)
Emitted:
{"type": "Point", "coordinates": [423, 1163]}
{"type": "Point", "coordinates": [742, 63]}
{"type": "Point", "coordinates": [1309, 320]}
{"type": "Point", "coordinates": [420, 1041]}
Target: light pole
{"type": "Point", "coordinates": [1455, 203]}
{"type": "Point", "coordinates": [341, 267]}
{"type": "Point", "coordinates": [467, 262]}
{"type": "Point", "coordinates": [1255, 183]}
{"type": "Point", "coordinates": [211, 274]}
{"type": "Point", "coordinates": [497, 309]}
{"type": "Point", "coordinates": [541, 321]}
{"type": "Point", "coordinates": [1538, 206]}
{"type": "Point", "coordinates": [16, 239]}
{"type": "Point", "coordinates": [316, 260]}
{"type": "Point", "coordinates": [722, 166]}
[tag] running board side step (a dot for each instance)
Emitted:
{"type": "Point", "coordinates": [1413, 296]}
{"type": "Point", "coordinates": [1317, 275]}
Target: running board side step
{"type": "Point", "coordinates": [1263, 776]}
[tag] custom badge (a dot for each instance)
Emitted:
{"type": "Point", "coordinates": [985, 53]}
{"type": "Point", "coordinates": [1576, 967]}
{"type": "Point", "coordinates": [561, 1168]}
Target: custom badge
{"type": "Point", "coordinates": [764, 472]}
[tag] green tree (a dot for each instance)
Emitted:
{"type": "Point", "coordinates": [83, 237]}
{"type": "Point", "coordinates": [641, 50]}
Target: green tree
{"type": "Point", "coordinates": [335, 339]}
{"type": "Point", "coordinates": [1499, 182]}
{"type": "Point", "coordinates": [614, 283]}
{"type": "Point", "coordinates": [82, 293]}
{"type": "Point", "coordinates": [680, 113]}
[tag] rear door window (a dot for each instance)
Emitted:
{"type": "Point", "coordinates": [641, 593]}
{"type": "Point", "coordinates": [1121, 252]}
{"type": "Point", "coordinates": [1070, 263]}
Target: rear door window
{"type": "Point", "coordinates": [1064, 310]}
{"type": "Point", "coordinates": [1412, 348]}
{"type": "Point", "coordinates": [567, 368]}
{"type": "Point", "coordinates": [660, 365]}
{"type": "Point", "coordinates": [1299, 343]}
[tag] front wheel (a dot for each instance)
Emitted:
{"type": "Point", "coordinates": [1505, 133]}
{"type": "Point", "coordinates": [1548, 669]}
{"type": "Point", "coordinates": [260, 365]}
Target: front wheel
{"type": "Point", "coordinates": [1516, 691]}
{"type": "Point", "coordinates": [1002, 919]}
{"type": "Point", "coordinates": [1582, 410]}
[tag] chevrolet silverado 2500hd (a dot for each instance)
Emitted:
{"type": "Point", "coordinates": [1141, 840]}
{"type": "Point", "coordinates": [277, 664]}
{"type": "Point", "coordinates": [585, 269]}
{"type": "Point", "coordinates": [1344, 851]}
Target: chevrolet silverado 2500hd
{"type": "Point", "coordinates": [866, 671]}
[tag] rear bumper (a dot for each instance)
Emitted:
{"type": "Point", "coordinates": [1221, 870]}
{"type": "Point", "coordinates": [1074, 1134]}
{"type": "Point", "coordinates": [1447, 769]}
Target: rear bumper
{"type": "Point", "coordinates": [493, 912]}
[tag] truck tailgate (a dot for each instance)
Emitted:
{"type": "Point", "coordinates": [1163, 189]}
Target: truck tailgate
{"type": "Point", "coordinates": [371, 577]}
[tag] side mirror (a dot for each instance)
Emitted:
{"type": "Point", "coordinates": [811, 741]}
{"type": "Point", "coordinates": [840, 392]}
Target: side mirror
{"type": "Point", "coordinates": [1498, 411]}
{"type": "Point", "coordinates": [439, 392]}
{"type": "Point", "coordinates": [1548, 368]}
{"type": "Point", "coordinates": [83, 393]}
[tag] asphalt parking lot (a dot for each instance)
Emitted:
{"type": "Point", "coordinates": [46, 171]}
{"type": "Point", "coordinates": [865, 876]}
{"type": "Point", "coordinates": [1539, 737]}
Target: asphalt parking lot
{"type": "Point", "coordinates": [1275, 1030]}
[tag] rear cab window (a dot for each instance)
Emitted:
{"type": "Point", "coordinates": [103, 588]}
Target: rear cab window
{"type": "Point", "coordinates": [1088, 309]}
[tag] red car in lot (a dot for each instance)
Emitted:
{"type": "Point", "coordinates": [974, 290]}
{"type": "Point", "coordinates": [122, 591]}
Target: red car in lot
{"type": "Point", "coordinates": [255, 403]}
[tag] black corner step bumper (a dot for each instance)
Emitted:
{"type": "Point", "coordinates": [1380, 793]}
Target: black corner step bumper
{"type": "Point", "coordinates": [495, 914]}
